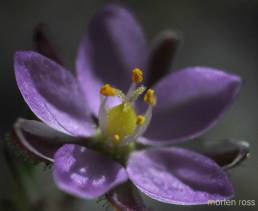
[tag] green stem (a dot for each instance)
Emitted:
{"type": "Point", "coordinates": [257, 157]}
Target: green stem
{"type": "Point", "coordinates": [20, 195]}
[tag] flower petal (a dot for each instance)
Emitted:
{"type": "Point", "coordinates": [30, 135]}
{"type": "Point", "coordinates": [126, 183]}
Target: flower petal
{"type": "Point", "coordinates": [112, 47]}
{"type": "Point", "coordinates": [178, 176]}
{"type": "Point", "coordinates": [85, 173]}
{"type": "Point", "coordinates": [162, 56]}
{"type": "Point", "coordinates": [227, 153]}
{"type": "Point", "coordinates": [52, 93]}
{"type": "Point", "coordinates": [38, 140]}
{"type": "Point", "coordinates": [44, 45]}
{"type": "Point", "coordinates": [190, 101]}
{"type": "Point", "coordinates": [126, 197]}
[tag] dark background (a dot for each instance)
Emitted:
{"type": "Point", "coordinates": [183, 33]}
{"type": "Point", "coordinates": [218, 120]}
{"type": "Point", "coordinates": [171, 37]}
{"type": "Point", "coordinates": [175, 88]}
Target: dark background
{"type": "Point", "coordinates": [222, 34]}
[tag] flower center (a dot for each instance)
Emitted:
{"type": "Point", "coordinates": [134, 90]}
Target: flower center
{"type": "Point", "coordinates": [121, 120]}
{"type": "Point", "coordinates": [121, 124]}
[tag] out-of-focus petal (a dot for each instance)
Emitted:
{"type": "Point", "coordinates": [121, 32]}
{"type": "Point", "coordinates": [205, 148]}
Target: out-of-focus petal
{"type": "Point", "coordinates": [178, 176]}
{"type": "Point", "coordinates": [38, 140]}
{"type": "Point", "coordinates": [190, 102]}
{"type": "Point", "coordinates": [162, 56]}
{"type": "Point", "coordinates": [85, 173]}
{"type": "Point", "coordinates": [43, 44]}
{"type": "Point", "coordinates": [113, 46]}
{"type": "Point", "coordinates": [227, 153]}
{"type": "Point", "coordinates": [126, 197]}
{"type": "Point", "coordinates": [52, 93]}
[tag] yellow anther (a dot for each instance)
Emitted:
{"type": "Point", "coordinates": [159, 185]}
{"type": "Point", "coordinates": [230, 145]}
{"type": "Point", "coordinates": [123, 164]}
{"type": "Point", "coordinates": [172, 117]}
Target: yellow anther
{"type": "Point", "coordinates": [108, 90]}
{"type": "Point", "coordinates": [137, 76]}
{"type": "Point", "coordinates": [140, 120]}
{"type": "Point", "coordinates": [150, 97]}
{"type": "Point", "coordinates": [116, 139]}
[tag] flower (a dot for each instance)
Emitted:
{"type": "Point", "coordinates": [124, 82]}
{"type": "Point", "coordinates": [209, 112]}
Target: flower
{"type": "Point", "coordinates": [92, 157]}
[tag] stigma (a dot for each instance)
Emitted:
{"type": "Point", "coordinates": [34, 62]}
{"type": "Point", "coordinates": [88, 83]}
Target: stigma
{"type": "Point", "coordinates": [121, 124]}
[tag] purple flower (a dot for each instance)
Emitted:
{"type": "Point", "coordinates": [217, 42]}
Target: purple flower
{"type": "Point", "coordinates": [92, 157]}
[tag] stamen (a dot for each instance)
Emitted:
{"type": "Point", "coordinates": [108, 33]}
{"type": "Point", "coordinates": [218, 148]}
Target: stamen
{"type": "Point", "coordinates": [136, 93]}
{"type": "Point", "coordinates": [120, 94]}
{"type": "Point", "coordinates": [140, 128]}
{"type": "Point", "coordinates": [137, 76]}
{"type": "Point", "coordinates": [108, 90]}
{"type": "Point", "coordinates": [102, 113]}
{"type": "Point", "coordinates": [147, 115]}
{"type": "Point", "coordinates": [131, 90]}
{"type": "Point", "coordinates": [150, 97]}
{"type": "Point", "coordinates": [140, 120]}
{"type": "Point", "coordinates": [116, 139]}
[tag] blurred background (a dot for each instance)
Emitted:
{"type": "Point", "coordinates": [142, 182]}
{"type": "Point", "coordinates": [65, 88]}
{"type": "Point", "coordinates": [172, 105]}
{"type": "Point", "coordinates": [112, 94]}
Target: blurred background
{"type": "Point", "coordinates": [221, 34]}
